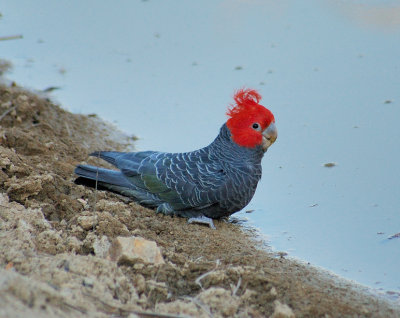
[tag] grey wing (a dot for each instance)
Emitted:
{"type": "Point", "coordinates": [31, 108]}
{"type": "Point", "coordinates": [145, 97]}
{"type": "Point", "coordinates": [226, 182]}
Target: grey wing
{"type": "Point", "coordinates": [194, 180]}
{"type": "Point", "coordinates": [182, 180]}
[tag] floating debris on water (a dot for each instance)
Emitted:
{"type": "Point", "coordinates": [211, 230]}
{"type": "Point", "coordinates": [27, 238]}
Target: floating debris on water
{"type": "Point", "coordinates": [50, 89]}
{"type": "Point", "coordinates": [397, 235]}
{"type": "Point", "coordinates": [11, 37]}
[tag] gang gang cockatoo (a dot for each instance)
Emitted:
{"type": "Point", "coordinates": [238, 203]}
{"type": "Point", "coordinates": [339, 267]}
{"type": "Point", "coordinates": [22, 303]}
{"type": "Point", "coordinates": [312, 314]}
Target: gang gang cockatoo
{"type": "Point", "coordinates": [210, 183]}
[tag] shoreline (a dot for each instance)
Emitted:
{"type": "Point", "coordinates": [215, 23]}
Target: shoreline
{"type": "Point", "coordinates": [55, 236]}
{"type": "Point", "coordinates": [385, 294]}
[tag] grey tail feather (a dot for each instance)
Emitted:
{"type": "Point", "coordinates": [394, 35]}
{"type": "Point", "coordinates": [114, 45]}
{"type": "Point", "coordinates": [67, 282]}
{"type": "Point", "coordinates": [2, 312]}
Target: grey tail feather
{"type": "Point", "coordinates": [114, 181]}
{"type": "Point", "coordinates": [103, 175]}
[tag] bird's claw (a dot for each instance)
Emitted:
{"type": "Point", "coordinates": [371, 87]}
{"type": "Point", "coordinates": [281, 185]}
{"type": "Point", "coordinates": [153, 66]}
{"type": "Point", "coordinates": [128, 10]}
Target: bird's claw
{"type": "Point", "coordinates": [202, 220]}
{"type": "Point", "coordinates": [165, 209]}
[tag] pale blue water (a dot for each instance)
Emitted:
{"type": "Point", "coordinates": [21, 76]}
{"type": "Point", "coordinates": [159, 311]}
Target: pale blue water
{"type": "Point", "coordinates": [166, 71]}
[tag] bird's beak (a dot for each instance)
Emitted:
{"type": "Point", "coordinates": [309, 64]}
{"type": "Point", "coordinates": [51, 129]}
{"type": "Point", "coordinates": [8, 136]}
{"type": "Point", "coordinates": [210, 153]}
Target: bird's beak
{"type": "Point", "coordinates": [269, 136]}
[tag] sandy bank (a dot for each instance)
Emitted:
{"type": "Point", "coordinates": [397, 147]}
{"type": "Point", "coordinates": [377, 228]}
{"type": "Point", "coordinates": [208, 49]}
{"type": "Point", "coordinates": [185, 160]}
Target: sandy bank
{"type": "Point", "coordinates": [54, 234]}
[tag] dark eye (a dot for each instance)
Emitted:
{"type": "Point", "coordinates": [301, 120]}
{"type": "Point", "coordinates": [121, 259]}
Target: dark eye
{"type": "Point", "coordinates": [256, 126]}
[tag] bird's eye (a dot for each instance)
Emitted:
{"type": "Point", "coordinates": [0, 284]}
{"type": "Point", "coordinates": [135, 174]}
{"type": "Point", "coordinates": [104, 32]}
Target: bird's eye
{"type": "Point", "coordinates": [256, 126]}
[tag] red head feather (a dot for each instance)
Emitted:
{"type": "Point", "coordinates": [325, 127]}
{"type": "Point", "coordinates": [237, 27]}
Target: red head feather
{"type": "Point", "coordinates": [243, 114]}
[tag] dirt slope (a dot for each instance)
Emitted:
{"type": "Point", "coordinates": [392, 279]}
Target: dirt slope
{"type": "Point", "coordinates": [54, 235]}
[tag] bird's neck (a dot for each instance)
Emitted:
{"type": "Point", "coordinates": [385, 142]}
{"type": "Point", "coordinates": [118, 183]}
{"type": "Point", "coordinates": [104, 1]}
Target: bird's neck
{"type": "Point", "coordinates": [226, 148]}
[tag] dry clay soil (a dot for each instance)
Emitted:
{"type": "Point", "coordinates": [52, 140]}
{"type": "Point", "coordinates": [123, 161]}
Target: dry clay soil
{"type": "Point", "coordinates": [54, 235]}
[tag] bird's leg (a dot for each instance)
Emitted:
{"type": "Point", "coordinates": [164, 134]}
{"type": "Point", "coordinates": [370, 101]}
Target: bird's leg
{"type": "Point", "coordinates": [202, 220]}
{"type": "Point", "coordinates": [165, 209]}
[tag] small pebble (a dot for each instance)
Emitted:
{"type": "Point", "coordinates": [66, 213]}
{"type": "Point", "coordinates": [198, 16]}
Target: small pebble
{"type": "Point", "coordinates": [88, 282]}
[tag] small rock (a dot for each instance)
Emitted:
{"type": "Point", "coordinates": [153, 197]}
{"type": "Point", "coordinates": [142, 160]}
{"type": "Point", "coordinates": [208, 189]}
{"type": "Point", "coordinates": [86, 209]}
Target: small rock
{"type": "Point", "coordinates": [282, 310]}
{"type": "Point", "coordinates": [129, 249]}
{"type": "Point", "coordinates": [6, 104]}
{"type": "Point", "coordinates": [4, 162]}
{"type": "Point", "coordinates": [9, 266]}
{"type": "Point", "coordinates": [102, 246]}
{"type": "Point", "coordinates": [273, 292]}
{"type": "Point", "coordinates": [220, 299]}
{"type": "Point", "coordinates": [87, 222]}
{"type": "Point", "coordinates": [23, 98]}
{"type": "Point", "coordinates": [88, 282]}
{"type": "Point", "coordinates": [50, 242]}
{"type": "Point", "coordinates": [73, 244]}
{"type": "Point", "coordinates": [138, 266]}
{"type": "Point", "coordinates": [140, 283]}
{"type": "Point", "coordinates": [84, 203]}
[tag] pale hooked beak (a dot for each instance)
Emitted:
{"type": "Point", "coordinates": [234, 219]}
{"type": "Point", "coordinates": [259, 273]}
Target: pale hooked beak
{"type": "Point", "coordinates": [269, 136]}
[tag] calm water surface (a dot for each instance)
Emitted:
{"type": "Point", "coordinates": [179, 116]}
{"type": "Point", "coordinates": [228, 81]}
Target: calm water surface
{"type": "Point", "coordinates": [166, 71]}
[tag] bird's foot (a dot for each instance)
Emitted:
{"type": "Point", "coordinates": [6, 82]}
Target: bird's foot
{"type": "Point", "coordinates": [202, 220]}
{"type": "Point", "coordinates": [165, 209]}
